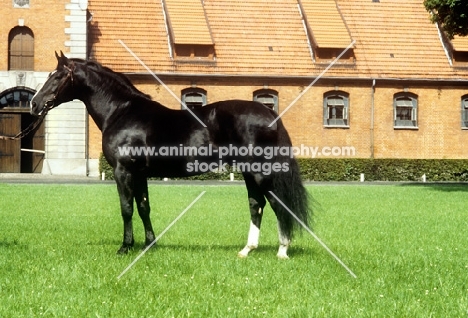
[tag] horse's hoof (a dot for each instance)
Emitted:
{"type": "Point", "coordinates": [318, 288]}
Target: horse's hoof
{"type": "Point", "coordinates": [282, 256]}
{"type": "Point", "coordinates": [242, 255]}
{"type": "Point", "coordinates": [148, 246]}
{"type": "Point", "coordinates": [124, 250]}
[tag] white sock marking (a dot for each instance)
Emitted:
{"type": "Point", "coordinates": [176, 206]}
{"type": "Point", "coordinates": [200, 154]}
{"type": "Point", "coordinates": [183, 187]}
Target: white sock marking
{"type": "Point", "coordinates": [252, 240]}
{"type": "Point", "coordinates": [284, 244]}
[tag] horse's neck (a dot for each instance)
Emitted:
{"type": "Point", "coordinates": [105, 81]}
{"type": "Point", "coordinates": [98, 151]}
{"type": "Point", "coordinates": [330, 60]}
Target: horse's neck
{"type": "Point", "coordinates": [98, 108]}
{"type": "Point", "coordinates": [102, 104]}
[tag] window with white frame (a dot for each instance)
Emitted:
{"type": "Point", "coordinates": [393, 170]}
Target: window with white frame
{"type": "Point", "coordinates": [267, 97]}
{"type": "Point", "coordinates": [194, 98]}
{"type": "Point", "coordinates": [405, 110]}
{"type": "Point", "coordinates": [464, 111]}
{"type": "Point", "coordinates": [21, 3]}
{"type": "Point", "coordinates": [336, 109]}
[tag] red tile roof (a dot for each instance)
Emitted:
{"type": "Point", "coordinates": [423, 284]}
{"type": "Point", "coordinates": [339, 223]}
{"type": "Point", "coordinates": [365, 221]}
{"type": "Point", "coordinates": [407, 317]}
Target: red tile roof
{"type": "Point", "coordinates": [394, 38]}
{"type": "Point", "coordinates": [258, 37]}
{"type": "Point", "coordinates": [139, 25]}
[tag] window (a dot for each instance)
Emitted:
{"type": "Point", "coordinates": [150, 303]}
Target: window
{"type": "Point", "coordinates": [336, 109]}
{"type": "Point", "coordinates": [16, 98]}
{"type": "Point", "coordinates": [464, 111]}
{"type": "Point", "coordinates": [405, 110]}
{"type": "Point", "coordinates": [327, 55]}
{"type": "Point", "coordinates": [21, 3]}
{"type": "Point", "coordinates": [193, 98]}
{"type": "Point", "coordinates": [21, 49]}
{"type": "Point", "coordinates": [267, 97]}
{"type": "Point", "coordinates": [191, 51]}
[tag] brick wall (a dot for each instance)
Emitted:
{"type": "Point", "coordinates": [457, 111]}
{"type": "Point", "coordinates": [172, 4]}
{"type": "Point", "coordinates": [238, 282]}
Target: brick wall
{"type": "Point", "coordinates": [46, 18]}
{"type": "Point", "coordinates": [439, 133]}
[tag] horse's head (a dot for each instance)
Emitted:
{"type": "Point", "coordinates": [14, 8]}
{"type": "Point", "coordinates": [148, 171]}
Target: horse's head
{"type": "Point", "coordinates": [57, 89]}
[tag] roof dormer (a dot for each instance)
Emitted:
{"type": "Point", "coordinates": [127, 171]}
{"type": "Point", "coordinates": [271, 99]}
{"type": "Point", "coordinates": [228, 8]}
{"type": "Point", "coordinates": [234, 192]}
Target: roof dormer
{"type": "Point", "coordinates": [327, 31]}
{"type": "Point", "coordinates": [460, 51]}
{"type": "Point", "coordinates": [189, 32]}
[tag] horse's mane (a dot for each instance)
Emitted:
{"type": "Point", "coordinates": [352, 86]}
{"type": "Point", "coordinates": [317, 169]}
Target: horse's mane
{"type": "Point", "coordinates": [116, 77]}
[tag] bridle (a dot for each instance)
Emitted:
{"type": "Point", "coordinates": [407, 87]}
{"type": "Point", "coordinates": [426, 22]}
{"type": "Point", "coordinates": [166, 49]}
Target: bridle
{"type": "Point", "coordinates": [49, 104]}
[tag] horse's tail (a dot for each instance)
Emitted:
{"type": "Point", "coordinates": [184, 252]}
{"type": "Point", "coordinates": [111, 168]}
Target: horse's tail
{"type": "Point", "coordinates": [288, 188]}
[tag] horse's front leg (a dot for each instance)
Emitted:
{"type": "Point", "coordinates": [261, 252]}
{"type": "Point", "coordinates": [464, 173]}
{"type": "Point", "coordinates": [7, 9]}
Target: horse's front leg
{"type": "Point", "coordinates": [143, 206]}
{"type": "Point", "coordinates": [124, 182]}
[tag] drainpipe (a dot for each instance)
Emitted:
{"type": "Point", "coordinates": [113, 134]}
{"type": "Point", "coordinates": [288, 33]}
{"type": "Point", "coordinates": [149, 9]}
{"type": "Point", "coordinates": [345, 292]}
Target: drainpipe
{"type": "Point", "coordinates": [372, 119]}
{"type": "Point", "coordinates": [87, 142]}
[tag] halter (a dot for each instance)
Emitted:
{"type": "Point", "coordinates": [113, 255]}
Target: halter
{"type": "Point", "coordinates": [49, 104]}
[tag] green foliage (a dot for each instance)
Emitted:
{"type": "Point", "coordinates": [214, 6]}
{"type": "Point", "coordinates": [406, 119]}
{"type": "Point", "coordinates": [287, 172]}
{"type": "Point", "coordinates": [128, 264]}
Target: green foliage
{"type": "Point", "coordinates": [350, 170]}
{"type": "Point", "coordinates": [384, 169]}
{"type": "Point", "coordinates": [105, 168]}
{"type": "Point", "coordinates": [452, 15]}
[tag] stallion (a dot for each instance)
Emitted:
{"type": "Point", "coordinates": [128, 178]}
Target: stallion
{"type": "Point", "coordinates": [132, 124]}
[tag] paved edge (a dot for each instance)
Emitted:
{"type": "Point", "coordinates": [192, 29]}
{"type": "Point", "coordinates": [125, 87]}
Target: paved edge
{"type": "Point", "coordinates": [32, 178]}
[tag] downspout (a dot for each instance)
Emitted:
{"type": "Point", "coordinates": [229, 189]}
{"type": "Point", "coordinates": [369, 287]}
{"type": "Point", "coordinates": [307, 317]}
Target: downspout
{"type": "Point", "coordinates": [87, 142]}
{"type": "Point", "coordinates": [168, 29]}
{"type": "Point", "coordinates": [372, 119]}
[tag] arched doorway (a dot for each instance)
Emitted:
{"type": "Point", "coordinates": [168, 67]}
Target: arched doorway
{"type": "Point", "coordinates": [22, 155]}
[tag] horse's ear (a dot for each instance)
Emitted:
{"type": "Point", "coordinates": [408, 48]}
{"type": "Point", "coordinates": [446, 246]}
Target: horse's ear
{"type": "Point", "coordinates": [62, 59]}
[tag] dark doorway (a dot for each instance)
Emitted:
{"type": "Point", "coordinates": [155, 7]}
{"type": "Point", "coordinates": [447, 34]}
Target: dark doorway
{"type": "Point", "coordinates": [32, 146]}
{"type": "Point", "coordinates": [24, 155]}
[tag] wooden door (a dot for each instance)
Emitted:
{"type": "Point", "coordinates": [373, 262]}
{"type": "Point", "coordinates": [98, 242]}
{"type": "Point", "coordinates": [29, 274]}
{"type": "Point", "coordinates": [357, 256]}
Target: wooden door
{"type": "Point", "coordinates": [38, 143]}
{"type": "Point", "coordinates": [10, 150]}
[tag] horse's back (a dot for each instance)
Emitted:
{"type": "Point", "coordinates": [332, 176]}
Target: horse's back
{"type": "Point", "coordinates": [240, 122]}
{"type": "Point", "coordinates": [241, 108]}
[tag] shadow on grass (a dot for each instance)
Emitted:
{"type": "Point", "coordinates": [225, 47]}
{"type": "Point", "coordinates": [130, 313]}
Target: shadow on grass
{"type": "Point", "coordinates": [9, 244]}
{"type": "Point", "coordinates": [440, 186]}
{"type": "Point", "coordinates": [268, 249]}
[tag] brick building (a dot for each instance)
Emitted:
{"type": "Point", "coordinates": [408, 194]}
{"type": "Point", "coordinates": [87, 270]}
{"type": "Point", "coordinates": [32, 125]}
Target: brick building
{"type": "Point", "coordinates": [31, 31]}
{"type": "Point", "coordinates": [399, 91]}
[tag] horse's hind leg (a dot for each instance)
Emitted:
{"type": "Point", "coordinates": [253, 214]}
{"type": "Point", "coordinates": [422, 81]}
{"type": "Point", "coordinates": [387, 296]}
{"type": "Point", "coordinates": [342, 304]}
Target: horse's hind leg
{"type": "Point", "coordinates": [256, 203]}
{"type": "Point", "coordinates": [284, 226]}
{"type": "Point", "coordinates": [143, 206]}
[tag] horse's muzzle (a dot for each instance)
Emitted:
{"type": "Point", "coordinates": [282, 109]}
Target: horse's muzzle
{"type": "Point", "coordinates": [47, 106]}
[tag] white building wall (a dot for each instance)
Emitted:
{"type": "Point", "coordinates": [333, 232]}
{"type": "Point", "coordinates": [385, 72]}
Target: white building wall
{"type": "Point", "coordinates": [10, 79]}
{"type": "Point", "coordinates": [66, 125]}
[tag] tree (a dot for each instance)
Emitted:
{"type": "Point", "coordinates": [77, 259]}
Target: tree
{"type": "Point", "coordinates": [451, 15]}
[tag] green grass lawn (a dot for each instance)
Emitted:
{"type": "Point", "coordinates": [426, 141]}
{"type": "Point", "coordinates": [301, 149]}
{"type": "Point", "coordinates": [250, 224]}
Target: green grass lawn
{"type": "Point", "coordinates": [406, 243]}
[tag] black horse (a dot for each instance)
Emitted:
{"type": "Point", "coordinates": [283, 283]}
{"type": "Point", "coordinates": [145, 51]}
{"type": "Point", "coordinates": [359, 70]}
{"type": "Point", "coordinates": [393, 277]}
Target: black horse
{"type": "Point", "coordinates": [134, 128]}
